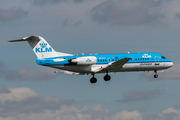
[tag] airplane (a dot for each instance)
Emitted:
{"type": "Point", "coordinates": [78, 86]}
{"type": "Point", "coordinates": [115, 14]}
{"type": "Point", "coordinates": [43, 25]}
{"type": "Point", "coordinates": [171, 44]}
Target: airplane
{"type": "Point", "coordinates": [95, 63]}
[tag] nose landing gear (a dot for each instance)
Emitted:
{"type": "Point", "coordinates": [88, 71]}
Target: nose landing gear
{"type": "Point", "coordinates": [156, 75]}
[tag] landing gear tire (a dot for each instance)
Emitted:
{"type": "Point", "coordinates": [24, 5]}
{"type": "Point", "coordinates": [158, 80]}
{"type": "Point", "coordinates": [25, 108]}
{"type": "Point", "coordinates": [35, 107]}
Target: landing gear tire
{"type": "Point", "coordinates": [156, 76]}
{"type": "Point", "coordinates": [93, 80]}
{"type": "Point", "coordinates": [107, 78]}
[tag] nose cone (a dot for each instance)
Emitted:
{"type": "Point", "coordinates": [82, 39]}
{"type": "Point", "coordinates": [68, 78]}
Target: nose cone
{"type": "Point", "coordinates": [169, 64]}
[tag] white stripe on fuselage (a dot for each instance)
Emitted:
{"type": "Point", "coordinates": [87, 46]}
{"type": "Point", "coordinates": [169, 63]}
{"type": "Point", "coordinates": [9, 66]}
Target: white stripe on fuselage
{"type": "Point", "coordinates": [148, 66]}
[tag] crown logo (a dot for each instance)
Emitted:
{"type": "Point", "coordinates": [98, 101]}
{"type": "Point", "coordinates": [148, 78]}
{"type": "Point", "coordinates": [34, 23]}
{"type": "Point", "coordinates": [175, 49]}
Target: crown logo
{"type": "Point", "coordinates": [43, 44]}
{"type": "Point", "coordinates": [146, 56]}
{"type": "Point", "coordinates": [88, 60]}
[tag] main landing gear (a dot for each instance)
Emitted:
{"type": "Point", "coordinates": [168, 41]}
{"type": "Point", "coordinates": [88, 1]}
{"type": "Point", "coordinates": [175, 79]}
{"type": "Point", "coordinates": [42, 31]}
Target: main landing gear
{"type": "Point", "coordinates": [106, 78]}
{"type": "Point", "coordinates": [156, 75]}
{"type": "Point", "coordinates": [93, 79]}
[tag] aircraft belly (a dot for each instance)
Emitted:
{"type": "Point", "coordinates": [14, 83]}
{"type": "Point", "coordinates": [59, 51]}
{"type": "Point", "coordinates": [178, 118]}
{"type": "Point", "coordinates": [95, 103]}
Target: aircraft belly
{"type": "Point", "coordinates": [125, 68]}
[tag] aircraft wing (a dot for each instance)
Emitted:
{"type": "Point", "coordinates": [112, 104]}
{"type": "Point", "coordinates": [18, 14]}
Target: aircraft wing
{"type": "Point", "coordinates": [115, 65]}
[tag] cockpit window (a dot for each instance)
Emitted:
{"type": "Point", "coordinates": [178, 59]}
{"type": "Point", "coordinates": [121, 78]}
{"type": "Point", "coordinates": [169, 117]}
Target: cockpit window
{"type": "Point", "coordinates": [163, 57]}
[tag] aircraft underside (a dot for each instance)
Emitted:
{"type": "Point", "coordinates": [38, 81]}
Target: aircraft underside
{"type": "Point", "coordinates": [128, 67]}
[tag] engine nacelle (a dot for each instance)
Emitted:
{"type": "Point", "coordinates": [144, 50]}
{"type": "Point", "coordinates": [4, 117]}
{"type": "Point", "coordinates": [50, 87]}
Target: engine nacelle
{"type": "Point", "coordinates": [90, 60]}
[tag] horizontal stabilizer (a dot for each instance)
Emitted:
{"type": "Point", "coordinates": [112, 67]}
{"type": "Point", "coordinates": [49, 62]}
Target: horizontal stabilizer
{"type": "Point", "coordinates": [21, 40]}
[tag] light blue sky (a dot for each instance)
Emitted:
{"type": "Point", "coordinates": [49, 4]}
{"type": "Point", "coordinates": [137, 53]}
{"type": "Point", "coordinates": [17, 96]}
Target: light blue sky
{"type": "Point", "coordinates": [28, 91]}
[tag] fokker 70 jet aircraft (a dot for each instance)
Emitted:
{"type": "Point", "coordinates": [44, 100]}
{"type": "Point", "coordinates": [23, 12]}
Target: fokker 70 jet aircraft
{"type": "Point", "coordinates": [95, 63]}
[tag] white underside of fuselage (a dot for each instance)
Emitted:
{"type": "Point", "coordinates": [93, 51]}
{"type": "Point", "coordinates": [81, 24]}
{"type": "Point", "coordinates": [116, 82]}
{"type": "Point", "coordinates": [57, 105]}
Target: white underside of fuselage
{"type": "Point", "coordinates": [128, 67]}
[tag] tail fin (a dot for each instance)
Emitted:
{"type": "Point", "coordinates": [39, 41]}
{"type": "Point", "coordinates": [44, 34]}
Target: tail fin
{"type": "Point", "coordinates": [40, 47]}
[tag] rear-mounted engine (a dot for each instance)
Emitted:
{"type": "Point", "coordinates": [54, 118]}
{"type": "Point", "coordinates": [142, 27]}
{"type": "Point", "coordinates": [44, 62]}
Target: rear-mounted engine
{"type": "Point", "coordinates": [83, 60]}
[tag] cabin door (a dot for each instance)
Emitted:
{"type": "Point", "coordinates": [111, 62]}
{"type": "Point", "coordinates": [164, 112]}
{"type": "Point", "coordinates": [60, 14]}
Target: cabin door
{"type": "Point", "coordinates": [156, 60]}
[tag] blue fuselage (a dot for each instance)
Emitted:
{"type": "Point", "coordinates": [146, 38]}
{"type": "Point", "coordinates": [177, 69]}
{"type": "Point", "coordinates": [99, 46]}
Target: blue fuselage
{"type": "Point", "coordinates": [138, 62]}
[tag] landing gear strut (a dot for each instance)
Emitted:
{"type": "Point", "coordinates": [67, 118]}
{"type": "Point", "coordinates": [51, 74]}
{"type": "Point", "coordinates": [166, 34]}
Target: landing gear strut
{"type": "Point", "coordinates": [93, 79]}
{"type": "Point", "coordinates": [107, 77]}
{"type": "Point", "coordinates": [156, 75]}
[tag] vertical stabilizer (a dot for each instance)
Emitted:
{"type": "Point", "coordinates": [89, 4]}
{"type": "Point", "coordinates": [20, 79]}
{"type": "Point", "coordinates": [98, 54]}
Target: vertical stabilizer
{"type": "Point", "coordinates": [40, 47]}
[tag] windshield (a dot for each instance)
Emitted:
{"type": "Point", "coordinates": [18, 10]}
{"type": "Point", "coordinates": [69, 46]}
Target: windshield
{"type": "Point", "coordinates": [163, 57]}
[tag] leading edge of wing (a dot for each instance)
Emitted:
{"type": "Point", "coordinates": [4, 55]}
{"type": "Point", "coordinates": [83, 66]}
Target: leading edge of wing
{"type": "Point", "coordinates": [119, 63]}
{"type": "Point", "coordinates": [115, 65]}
